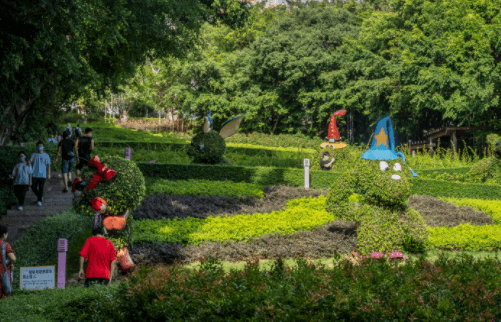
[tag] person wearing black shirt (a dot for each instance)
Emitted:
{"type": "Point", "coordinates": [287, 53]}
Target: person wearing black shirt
{"type": "Point", "coordinates": [68, 150]}
{"type": "Point", "coordinates": [325, 164]}
{"type": "Point", "coordinates": [85, 145]}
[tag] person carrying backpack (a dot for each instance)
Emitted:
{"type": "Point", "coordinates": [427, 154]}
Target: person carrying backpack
{"type": "Point", "coordinates": [68, 150]}
{"type": "Point", "coordinates": [22, 174]}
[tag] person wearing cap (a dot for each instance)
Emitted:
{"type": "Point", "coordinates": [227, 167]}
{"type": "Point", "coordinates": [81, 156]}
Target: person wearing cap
{"type": "Point", "coordinates": [101, 259]}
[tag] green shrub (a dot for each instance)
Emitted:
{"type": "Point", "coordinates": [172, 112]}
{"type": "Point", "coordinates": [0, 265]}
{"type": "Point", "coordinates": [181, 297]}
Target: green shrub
{"type": "Point", "coordinates": [68, 304]}
{"type": "Point", "coordinates": [378, 205]}
{"type": "Point", "coordinates": [412, 245]}
{"type": "Point", "coordinates": [40, 241]}
{"type": "Point", "coordinates": [125, 191]}
{"type": "Point", "coordinates": [300, 214]}
{"type": "Point", "coordinates": [207, 148]}
{"type": "Point", "coordinates": [206, 187]}
{"type": "Point", "coordinates": [464, 289]}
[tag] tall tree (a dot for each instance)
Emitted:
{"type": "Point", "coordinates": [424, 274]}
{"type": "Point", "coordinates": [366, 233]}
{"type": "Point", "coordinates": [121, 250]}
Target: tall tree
{"type": "Point", "coordinates": [428, 62]}
{"type": "Point", "coordinates": [51, 50]}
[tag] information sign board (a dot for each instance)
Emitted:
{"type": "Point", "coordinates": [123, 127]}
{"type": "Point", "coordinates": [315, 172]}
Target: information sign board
{"type": "Point", "coordinates": [37, 278]}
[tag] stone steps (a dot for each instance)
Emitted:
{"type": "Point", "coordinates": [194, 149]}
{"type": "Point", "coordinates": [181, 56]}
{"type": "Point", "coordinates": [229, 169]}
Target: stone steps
{"type": "Point", "coordinates": [54, 202]}
{"type": "Point", "coordinates": [46, 203]}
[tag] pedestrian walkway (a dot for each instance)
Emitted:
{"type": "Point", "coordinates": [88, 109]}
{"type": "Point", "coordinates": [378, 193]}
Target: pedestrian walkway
{"type": "Point", "coordinates": [54, 202]}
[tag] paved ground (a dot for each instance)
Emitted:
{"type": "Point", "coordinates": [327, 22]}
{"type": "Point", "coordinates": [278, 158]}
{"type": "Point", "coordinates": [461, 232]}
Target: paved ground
{"type": "Point", "coordinates": [54, 202]}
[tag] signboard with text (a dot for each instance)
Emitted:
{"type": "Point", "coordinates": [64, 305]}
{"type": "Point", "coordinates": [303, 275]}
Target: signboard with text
{"type": "Point", "coordinates": [37, 278]}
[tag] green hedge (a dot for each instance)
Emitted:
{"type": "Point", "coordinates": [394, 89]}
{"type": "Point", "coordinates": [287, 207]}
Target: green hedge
{"type": "Point", "coordinates": [259, 175]}
{"type": "Point", "coordinates": [438, 188]}
{"type": "Point", "coordinates": [40, 241]}
{"type": "Point", "coordinates": [434, 173]}
{"type": "Point", "coordinates": [206, 188]}
{"type": "Point", "coordinates": [181, 147]}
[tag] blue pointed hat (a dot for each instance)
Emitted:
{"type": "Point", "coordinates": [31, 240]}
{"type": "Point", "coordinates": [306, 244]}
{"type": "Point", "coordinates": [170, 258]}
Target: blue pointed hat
{"type": "Point", "coordinates": [383, 143]}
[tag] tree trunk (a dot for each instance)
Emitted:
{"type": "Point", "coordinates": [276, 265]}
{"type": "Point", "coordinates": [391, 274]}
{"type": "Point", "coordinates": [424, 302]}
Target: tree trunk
{"type": "Point", "coordinates": [276, 123]}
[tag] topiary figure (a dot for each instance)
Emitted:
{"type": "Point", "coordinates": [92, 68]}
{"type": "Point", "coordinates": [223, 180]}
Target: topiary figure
{"type": "Point", "coordinates": [374, 195]}
{"type": "Point", "coordinates": [112, 187]}
{"type": "Point", "coordinates": [209, 147]}
{"type": "Point", "coordinates": [489, 169]}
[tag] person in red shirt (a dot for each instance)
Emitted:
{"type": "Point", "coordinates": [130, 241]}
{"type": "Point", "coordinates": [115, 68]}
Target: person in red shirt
{"type": "Point", "coordinates": [101, 257]}
{"type": "Point", "coordinates": [9, 253]}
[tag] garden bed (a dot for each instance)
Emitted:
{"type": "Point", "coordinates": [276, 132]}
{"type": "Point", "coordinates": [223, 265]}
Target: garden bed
{"type": "Point", "coordinates": [180, 206]}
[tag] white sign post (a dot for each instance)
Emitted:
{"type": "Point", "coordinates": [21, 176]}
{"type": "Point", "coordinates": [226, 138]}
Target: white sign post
{"type": "Point", "coordinates": [306, 164]}
{"type": "Point", "coordinates": [38, 278]}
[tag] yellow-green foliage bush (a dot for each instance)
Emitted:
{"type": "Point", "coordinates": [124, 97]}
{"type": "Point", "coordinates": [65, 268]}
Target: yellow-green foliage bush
{"type": "Point", "coordinates": [378, 205]}
{"type": "Point", "coordinates": [491, 207]}
{"type": "Point", "coordinates": [466, 237]}
{"type": "Point", "coordinates": [206, 188]}
{"type": "Point", "coordinates": [300, 214]}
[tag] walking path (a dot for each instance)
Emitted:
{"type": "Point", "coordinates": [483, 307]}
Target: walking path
{"type": "Point", "coordinates": [54, 202]}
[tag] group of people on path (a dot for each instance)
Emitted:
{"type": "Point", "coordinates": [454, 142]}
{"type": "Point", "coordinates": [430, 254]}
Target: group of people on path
{"type": "Point", "coordinates": [36, 171]}
{"type": "Point", "coordinates": [98, 251]}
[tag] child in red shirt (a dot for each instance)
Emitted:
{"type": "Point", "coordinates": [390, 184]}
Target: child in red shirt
{"type": "Point", "coordinates": [101, 257]}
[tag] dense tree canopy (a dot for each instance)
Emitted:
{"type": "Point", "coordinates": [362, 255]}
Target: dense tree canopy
{"type": "Point", "coordinates": [423, 62]}
{"type": "Point", "coordinates": [53, 50]}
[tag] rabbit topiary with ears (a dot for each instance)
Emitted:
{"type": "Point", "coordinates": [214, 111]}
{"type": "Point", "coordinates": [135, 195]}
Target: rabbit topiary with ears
{"type": "Point", "coordinates": [209, 147]}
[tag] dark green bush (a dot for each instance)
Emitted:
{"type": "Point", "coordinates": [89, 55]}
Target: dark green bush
{"type": "Point", "coordinates": [464, 289]}
{"type": "Point", "coordinates": [412, 245]}
{"type": "Point", "coordinates": [207, 148]}
{"type": "Point", "coordinates": [125, 191]}
{"type": "Point", "coordinates": [40, 241]}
